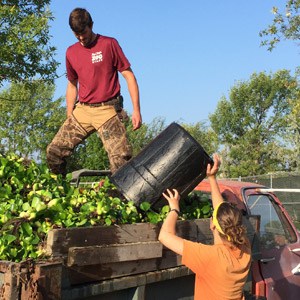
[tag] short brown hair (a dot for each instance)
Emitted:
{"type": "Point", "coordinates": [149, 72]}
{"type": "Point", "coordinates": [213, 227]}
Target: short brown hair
{"type": "Point", "coordinates": [79, 19]}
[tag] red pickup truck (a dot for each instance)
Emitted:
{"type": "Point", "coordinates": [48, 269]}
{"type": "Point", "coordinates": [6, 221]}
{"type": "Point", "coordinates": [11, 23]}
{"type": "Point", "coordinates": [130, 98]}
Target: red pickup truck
{"type": "Point", "coordinates": [275, 272]}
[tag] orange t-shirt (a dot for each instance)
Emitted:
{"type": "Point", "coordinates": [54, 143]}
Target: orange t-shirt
{"type": "Point", "coordinates": [219, 271]}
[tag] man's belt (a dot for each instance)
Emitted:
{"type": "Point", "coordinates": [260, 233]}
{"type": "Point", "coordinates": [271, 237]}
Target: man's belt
{"type": "Point", "coordinates": [113, 102]}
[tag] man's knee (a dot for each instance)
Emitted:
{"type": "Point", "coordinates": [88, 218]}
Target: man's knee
{"type": "Point", "coordinates": [55, 160]}
{"type": "Point", "coordinates": [69, 135]}
{"type": "Point", "coordinates": [114, 138]}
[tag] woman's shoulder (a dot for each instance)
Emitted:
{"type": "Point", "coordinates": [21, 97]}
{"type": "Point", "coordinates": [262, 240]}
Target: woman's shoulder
{"type": "Point", "coordinates": [197, 246]}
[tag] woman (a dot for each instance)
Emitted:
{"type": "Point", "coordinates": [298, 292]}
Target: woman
{"type": "Point", "coordinates": [221, 269]}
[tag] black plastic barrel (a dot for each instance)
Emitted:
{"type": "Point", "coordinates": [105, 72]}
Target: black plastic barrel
{"type": "Point", "coordinates": [174, 159]}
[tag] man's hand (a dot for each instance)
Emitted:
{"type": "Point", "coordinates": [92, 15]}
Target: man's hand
{"type": "Point", "coordinates": [136, 120]}
{"type": "Point", "coordinates": [71, 96]}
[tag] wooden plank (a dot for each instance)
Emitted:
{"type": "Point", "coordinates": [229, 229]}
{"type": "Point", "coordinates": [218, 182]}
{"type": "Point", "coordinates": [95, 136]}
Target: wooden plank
{"type": "Point", "coordinates": [85, 274]}
{"type": "Point", "coordinates": [5, 265]}
{"type": "Point", "coordinates": [10, 284]}
{"type": "Point", "coordinates": [93, 255]}
{"type": "Point", "coordinates": [187, 229]}
{"type": "Point", "coordinates": [107, 286]}
{"type": "Point", "coordinates": [48, 276]}
{"type": "Point", "coordinates": [40, 280]}
{"type": "Point", "coordinates": [60, 240]}
{"type": "Point", "coordinates": [204, 234]}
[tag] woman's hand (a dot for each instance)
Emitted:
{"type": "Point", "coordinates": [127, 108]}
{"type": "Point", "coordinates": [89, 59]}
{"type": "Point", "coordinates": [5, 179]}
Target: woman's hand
{"type": "Point", "coordinates": [213, 170]}
{"type": "Point", "coordinates": [173, 198]}
{"type": "Point", "coordinates": [167, 235]}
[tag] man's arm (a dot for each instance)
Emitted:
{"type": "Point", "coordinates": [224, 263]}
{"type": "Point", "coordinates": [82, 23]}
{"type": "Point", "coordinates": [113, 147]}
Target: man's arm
{"type": "Point", "coordinates": [71, 96]}
{"type": "Point", "coordinates": [135, 97]}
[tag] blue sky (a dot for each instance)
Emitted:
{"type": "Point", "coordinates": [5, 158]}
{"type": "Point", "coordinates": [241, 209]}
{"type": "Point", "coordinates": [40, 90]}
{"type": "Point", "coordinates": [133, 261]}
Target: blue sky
{"type": "Point", "coordinates": [186, 55]}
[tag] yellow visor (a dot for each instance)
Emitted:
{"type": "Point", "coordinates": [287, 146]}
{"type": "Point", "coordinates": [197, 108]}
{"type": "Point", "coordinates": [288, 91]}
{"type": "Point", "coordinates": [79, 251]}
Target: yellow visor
{"type": "Point", "coordinates": [216, 223]}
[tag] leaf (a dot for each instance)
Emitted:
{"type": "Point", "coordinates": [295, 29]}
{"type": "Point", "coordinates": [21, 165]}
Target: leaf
{"type": "Point", "coordinates": [35, 240]}
{"type": "Point", "coordinates": [35, 201]}
{"type": "Point", "coordinates": [52, 203]}
{"type": "Point", "coordinates": [108, 221]}
{"type": "Point", "coordinates": [153, 217]}
{"type": "Point", "coordinates": [145, 206]}
{"type": "Point", "coordinates": [13, 252]}
{"type": "Point", "coordinates": [26, 227]}
{"type": "Point", "coordinates": [81, 223]}
{"type": "Point", "coordinates": [9, 238]}
{"type": "Point", "coordinates": [206, 209]}
{"type": "Point", "coordinates": [47, 195]}
{"type": "Point", "coordinates": [165, 209]}
{"type": "Point", "coordinates": [26, 206]}
{"type": "Point", "coordinates": [68, 223]}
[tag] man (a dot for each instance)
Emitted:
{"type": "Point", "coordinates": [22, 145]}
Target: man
{"type": "Point", "coordinates": [93, 98]}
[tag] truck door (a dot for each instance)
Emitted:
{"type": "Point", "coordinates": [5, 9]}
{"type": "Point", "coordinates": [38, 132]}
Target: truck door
{"type": "Point", "coordinates": [279, 246]}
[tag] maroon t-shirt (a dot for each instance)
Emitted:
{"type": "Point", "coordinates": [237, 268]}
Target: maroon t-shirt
{"type": "Point", "coordinates": [96, 68]}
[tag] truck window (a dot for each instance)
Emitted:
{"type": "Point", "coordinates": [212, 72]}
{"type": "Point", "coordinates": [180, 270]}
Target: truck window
{"type": "Point", "coordinates": [275, 230]}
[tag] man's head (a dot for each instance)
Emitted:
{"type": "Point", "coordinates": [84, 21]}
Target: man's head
{"type": "Point", "coordinates": [79, 19]}
{"type": "Point", "coordinates": [81, 24]}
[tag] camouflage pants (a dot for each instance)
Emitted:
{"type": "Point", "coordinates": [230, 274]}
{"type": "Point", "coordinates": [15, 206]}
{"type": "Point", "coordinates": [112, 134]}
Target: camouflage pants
{"type": "Point", "coordinates": [84, 121]}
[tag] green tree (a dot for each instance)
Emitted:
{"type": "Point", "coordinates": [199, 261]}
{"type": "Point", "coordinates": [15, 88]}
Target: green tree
{"type": "Point", "coordinates": [142, 137]}
{"type": "Point", "coordinates": [204, 135]}
{"type": "Point", "coordinates": [24, 41]}
{"type": "Point", "coordinates": [285, 25]}
{"type": "Point", "coordinates": [90, 154]}
{"type": "Point", "coordinates": [29, 118]}
{"type": "Point", "coordinates": [293, 135]}
{"type": "Point", "coordinates": [252, 124]}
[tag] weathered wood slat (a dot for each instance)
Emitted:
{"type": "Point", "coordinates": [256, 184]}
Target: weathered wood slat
{"type": "Point", "coordinates": [116, 284]}
{"type": "Point", "coordinates": [93, 255]}
{"type": "Point", "coordinates": [10, 285]}
{"type": "Point", "coordinates": [60, 240]}
{"type": "Point", "coordinates": [47, 276]}
{"type": "Point", "coordinates": [85, 274]}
